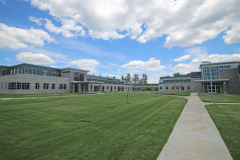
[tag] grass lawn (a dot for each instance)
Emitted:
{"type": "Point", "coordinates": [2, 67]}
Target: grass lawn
{"type": "Point", "coordinates": [88, 126]}
{"type": "Point", "coordinates": [221, 98]}
{"type": "Point", "coordinates": [37, 95]}
{"type": "Point", "coordinates": [227, 120]}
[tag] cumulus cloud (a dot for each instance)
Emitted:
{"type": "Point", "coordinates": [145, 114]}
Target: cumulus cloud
{"type": "Point", "coordinates": [152, 65]}
{"type": "Point", "coordinates": [119, 70]}
{"type": "Point", "coordinates": [194, 64]}
{"type": "Point", "coordinates": [87, 64]}
{"type": "Point", "coordinates": [16, 38]}
{"type": "Point", "coordinates": [37, 20]}
{"type": "Point", "coordinates": [185, 22]}
{"type": "Point", "coordinates": [183, 58]}
{"type": "Point", "coordinates": [34, 58]}
{"type": "Point", "coordinates": [66, 29]}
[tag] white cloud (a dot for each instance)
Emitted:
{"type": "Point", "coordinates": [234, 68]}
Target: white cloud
{"type": "Point", "coordinates": [185, 22]}
{"type": "Point", "coordinates": [7, 59]}
{"type": "Point", "coordinates": [233, 35]}
{"type": "Point", "coordinates": [16, 38]}
{"type": "Point", "coordinates": [87, 64]}
{"type": "Point", "coordinates": [37, 20]}
{"type": "Point", "coordinates": [66, 29]}
{"type": "Point", "coordinates": [194, 64]}
{"type": "Point", "coordinates": [53, 66]}
{"type": "Point", "coordinates": [152, 65]}
{"type": "Point", "coordinates": [119, 70]}
{"type": "Point", "coordinates": [112, 64]}
{"type": "Point", "coordinates": [3, 2]}
{"type": "Point", "coordinates": [183, 58]}
{"type": "Point", "coordinates": [35, 58]}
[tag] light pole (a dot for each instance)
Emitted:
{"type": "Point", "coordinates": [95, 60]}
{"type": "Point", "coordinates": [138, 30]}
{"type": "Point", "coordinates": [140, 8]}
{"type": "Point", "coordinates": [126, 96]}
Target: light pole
{"type": "Point", "coordinates": [210, 72]}
{"type": "Point", "coordinates": [56, 85]}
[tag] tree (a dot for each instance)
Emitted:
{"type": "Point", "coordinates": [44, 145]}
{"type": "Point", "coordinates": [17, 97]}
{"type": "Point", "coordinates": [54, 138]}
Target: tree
{"type": "Point", "coordinates": [144, 79]}
{"type": "Point", "coordinates": [122, 78]}
{"type": "Point", "coordinates": [135, 78]}
{"type": "Point", "coordinates": [128, 78]}
{"type": "Point", "coordinates": [135, 87]}
{"type": "Point", "coordinates": [114, 77]}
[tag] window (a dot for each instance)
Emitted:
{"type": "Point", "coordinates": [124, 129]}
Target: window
{"type": "Point", "coordinates": [172, 87]}
{"type": "Point", "coordinates": [45, 86]}
{"type": "Point", "coordinates": [44, 73]}
{"type": "Point", "coordinates": [37, 86]}
{"type": "Point", "coordinates": [161, 88]}
{"type": "Point", "coordinates": [1, 86]}
{"type": "Point", "coordinates": [4, 72]}
{"type": "Point", "coordinates": [62, 86]}
{"type": "Point", "coordinates": [188, 87]}
{"type": "Point", "coordinates": [166, 87]}
{"type": "Point", "coordinates": [53, 86]}
{"type": "Point", "coordinates": [18, 86]}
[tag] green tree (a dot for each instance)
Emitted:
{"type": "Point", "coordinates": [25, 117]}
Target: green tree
{"type": "Point", "coordinates": [114, 77]}
{"type": "Point", "coordinates": [128, 78]}
{"type": "Point", "coordinates": [135, 78]}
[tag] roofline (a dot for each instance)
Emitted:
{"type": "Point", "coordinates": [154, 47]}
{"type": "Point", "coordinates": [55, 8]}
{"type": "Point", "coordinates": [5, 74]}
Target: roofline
{"type": "Point", "coordinates": [205, 64]}
{"type": "Point", "coordinates": [70, 68]}
{"type": "Point", "coordinates": [33, 65]}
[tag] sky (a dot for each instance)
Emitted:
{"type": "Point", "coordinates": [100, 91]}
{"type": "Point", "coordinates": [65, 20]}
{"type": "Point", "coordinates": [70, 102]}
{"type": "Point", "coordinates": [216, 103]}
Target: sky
{"type": "Point", "coordinates": [113, 38]}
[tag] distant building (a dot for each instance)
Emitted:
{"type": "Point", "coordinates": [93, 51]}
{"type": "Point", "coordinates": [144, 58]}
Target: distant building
{"type": "Point", "coordinates": [35, 79]}
{"type": "Point", "coordinates": [225, 79]}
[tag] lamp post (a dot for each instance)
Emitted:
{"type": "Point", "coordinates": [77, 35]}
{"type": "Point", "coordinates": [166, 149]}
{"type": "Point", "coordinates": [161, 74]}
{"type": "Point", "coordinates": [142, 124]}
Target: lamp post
{"type": "Point", "coordinates": [210, 72]}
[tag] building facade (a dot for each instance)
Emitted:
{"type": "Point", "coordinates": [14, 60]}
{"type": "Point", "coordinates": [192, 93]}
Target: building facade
{"type": "Point", "coordinates": [34, 79]}
{"type": "Point", "coordinates": [225, 79]}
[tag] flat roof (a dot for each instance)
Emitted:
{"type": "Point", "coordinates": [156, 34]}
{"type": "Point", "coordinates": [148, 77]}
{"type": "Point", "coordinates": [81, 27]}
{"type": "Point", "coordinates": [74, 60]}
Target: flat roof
{"type": "Point", "coordinates": [75, 69]}
{"type": "Point", "coordinates": [205, 64]}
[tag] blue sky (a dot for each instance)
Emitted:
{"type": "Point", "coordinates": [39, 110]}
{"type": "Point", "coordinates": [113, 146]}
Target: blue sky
{"type": "Point", "coordinates": [113, 38]}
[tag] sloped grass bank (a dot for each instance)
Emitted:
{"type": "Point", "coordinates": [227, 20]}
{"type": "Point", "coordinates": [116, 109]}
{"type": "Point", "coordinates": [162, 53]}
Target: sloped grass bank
{"type": "Point", "coordinates": [88, 127]}
{"type": "Point", "coordinates": [227, 120]}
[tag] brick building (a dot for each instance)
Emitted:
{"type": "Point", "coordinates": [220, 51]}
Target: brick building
{"type": "Point", "coordinates": [34, 79]}
{"type": "Point", "coordinates": [225, 79]}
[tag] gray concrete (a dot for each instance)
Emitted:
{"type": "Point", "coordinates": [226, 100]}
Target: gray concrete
{"type": "Point", "coordinates": [195, 136]}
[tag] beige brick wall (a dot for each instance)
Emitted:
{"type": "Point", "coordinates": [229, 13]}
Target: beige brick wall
{"type": "Point", "coordinates": [170, 85]}
{"type": "Point", "coordinates": [233, 85]}
{"type": "Point", "coordinates": [32, 79]}
{"type": "Point", "coordinates": [194, 84]}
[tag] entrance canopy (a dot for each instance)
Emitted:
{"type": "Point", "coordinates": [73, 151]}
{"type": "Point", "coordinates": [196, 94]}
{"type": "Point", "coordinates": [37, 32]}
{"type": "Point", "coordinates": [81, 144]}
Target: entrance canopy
{"type": "Point", "coordinates": [213, 80]}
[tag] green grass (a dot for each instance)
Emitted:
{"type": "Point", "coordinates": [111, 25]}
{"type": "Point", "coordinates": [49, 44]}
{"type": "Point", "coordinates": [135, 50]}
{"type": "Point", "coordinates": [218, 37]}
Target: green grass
{"type": "Point", "coordinates": [220, 98]}
{"type": "Point", "coordinates": [37, 95]}
{"type": "Point", "coordinates": [49, 128]}
{"type": "Point", "coordinates": [227, 120]}
{"type": "Point", "coordinates": [174, 93]}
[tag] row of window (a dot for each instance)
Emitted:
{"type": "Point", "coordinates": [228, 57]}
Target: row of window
{"type": "Point", "coordinates": [31, 71]}
{"type": "Point", "coordinates": [214, 71]}
{"type": "Point", "coordinates": [177, 87]}
{"type": "Point", "coordinates": [46, 86]}
{"type": "Point", "coordinates": [26, 86]}
{"type": "Point", "coordinates": [177, 82]}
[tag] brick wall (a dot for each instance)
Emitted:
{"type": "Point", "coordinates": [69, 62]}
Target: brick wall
{"type": "Point", "coordinates": [233, 85]}
{"type": "Point", "coordinates": [32, 80]}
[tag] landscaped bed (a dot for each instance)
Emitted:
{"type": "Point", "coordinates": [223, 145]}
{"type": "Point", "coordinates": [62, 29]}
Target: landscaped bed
{"type": "Point", "coordinates": [220, 98]}
{"type": "Point", "coordinates": [88, 127]}
{"type": "Point", "coordinates": [227, 120]}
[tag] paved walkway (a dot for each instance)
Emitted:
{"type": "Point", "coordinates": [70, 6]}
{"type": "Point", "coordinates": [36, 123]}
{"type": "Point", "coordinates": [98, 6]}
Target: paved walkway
{"type": "Point", "coordinates": [195, 136]}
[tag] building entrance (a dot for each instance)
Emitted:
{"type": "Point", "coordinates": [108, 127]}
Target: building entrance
{"type": "Point", "coordinates": [215, 88]}
{"type": "Point", "coordinates": [182, 88]}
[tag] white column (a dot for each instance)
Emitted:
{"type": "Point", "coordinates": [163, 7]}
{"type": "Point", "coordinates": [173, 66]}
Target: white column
{"type": "Point", "coordinates": [92, 87]}
{"type": "Point", "coordinates": [73, 88]}
{"type": "Point", "coordinates": [100, 89]}
{"type": "Point", "coordinates": [79, 88]}
{"type": "Point", "coordinates": [89, 87]}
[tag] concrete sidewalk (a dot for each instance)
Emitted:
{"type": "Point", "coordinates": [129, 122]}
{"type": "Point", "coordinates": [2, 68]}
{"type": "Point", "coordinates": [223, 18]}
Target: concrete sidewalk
{"type": "Point", "coordinates": [195, 136]}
